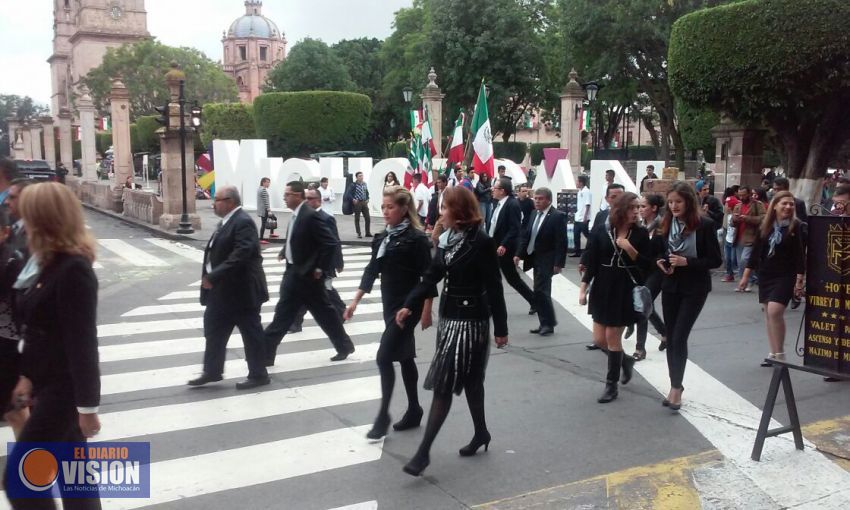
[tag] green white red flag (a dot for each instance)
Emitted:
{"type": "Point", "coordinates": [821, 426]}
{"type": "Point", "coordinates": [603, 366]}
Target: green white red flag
{"type": "Point", "coordinates": [456, 154]}
{"type": "Point", "coordinates": [482, 138]}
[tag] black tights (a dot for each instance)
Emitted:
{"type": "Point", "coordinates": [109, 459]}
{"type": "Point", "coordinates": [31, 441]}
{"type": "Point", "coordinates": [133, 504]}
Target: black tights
{"type": "Point", "coordinates": [440, 406]}
{"type": "Point", "coordinates": [410, 376]}
{"type": "Point", "coordinates": [680, 314]}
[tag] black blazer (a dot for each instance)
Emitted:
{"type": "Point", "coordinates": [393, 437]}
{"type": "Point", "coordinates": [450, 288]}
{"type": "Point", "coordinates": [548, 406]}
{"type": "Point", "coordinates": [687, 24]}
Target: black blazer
{"type": "Point", "coordinates": [473, 284]}
{"type": "Point", "coordinates": [237, 265]}
{"type": "Point", "coordinates": [338, 262]}
{"type": "Point", "coordinates": [313, 243]}
{"type": "Point", "coordinates": [551, 239]}
{"type": "Point", "coordinates": [405, 261]}
{"type": "Point", "coordinates": [508, 225]}
{"type": "Point", "coordinates": [715, 210]}
{"type": "Point", "coordinates": [527, 207]}
{"type": "Point", "coordinates": [433, 209]}
{"type": "Point", "coordinates": [695, 278]}
{"type": "Point", "coordinates": [58, 315]}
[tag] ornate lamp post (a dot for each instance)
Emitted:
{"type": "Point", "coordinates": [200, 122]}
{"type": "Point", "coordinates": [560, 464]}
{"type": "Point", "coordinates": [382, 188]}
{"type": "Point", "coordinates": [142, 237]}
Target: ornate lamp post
{"type": "Point", "coordinates": [592, 88]}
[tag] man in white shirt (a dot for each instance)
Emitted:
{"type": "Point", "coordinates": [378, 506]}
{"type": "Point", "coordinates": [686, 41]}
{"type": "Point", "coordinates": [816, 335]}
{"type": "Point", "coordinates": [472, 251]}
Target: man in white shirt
{"type": "Point", "coordinates": [582, 218]}
{"type": "Point", "coordinates": [609, 180]}
{"type": "Point", "coordinates": [422, 195]}
{"type": "Point", "coordinates": [328, 196]}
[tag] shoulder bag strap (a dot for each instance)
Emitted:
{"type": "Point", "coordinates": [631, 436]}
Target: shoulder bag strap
{"type": "Point", "coordinates": [619, 256]}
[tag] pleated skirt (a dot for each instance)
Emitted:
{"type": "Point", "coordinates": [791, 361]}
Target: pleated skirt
{"type": "Point", "coordinates": [463, 348]}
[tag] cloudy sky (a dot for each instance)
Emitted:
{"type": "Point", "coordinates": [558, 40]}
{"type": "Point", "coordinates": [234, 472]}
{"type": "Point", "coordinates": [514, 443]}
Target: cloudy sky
{"type": "Point", "coordinates": [26, 33]}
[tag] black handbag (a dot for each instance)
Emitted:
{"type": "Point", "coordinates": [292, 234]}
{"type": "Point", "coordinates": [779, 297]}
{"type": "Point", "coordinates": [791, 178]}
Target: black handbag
{"type": "Point", "coordinates": [641, 295]}
{"type": "Point", "coordinates": [271, 222]}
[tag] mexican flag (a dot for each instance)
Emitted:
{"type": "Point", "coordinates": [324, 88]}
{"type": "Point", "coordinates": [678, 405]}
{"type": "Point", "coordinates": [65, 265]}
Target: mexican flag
{"type": "Point", "coordinates": [482, 139]}
{"type": "Point", "coordinates": [456, 149]}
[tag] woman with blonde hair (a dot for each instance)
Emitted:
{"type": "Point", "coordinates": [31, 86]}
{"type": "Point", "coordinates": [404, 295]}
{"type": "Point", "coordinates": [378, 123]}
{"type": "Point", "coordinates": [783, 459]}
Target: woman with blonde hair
{"type": "Point", "coordinates": [57, 305]}
{"type": "Point", "coordinates": [400, 255]}
{"type": "Point", "coordinates": [779, 258]}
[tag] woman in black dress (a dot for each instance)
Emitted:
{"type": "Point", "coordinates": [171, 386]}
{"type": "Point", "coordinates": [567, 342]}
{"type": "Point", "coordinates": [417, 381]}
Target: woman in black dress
{"type": "Point", "coordinates": [400, 255]}
{"type": "Point", "coordinates": [56, 307]}
{"type": "Point", "coordinates": [780, 260]}
{"type": "Point", "coordinates": [691, 251]}
{"type": "Point", "coordinates": [615, 256]}
{"type": "Point", "coordinates": [472, 293]}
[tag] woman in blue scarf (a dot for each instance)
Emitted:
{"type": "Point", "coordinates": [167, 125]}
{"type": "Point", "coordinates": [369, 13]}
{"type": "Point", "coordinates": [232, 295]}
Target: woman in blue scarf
{"type": "Point", "coordinates": [779, 258]}
{"type": "Point", "coordinates": [400, 255]}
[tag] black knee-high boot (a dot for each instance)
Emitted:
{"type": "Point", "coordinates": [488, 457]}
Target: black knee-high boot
{"type": "Point", "coordinates": [382, 422]}
{"type": "Point", "coordinates": [436, 416]}
{"type": "Point", "coordinates": [413, 416]}
{"type": "Point", "coordinates": [615, 361]}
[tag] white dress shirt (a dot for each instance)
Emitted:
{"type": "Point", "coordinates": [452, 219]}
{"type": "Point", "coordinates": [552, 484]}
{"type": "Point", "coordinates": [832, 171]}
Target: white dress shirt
{"type": "Point", "coordinates": [292, 220]}
{"type": "Point", "coordinates": [495, 217]}
{"type": "Point", "coordinates": [422, 195]}
{"type": "Point", "coordinates": [328, 197]}
{"type": "Point", "coordinates": [584, 199]}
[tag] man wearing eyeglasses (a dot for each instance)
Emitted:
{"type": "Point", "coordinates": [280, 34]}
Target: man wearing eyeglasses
{"type": "Point", "coordinates": [233, 288]}
{"type": "Point", "coordinates": [841, 200]}
{"type": "Point", "coordinates": [505, 228]}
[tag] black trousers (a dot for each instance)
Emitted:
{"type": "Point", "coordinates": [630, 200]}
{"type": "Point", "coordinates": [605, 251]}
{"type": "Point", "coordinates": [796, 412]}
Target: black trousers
{"type": "Point", "coordinates": [53, 418]}
{"type": "Point", "coordinates": [362, 207]}
{"type": "Point", "coordinates": [543, 291]}
{"type": "Point", "coordinates": [297, 291]}
{"type": "Point", "coordinates": [333, 297]}
{"type": "Point", "coordinates": [579, 228]}
{"type": "Point", "coordinates": [263, 219]}
{"type": "Point", "coordinates": [514, 279]}
{"type": "Point", "coordinates": [219, 322]}
{"type": "Point", "coordinates": [653, 283]}
{"type": "Point", "coordinates": [680, 314]}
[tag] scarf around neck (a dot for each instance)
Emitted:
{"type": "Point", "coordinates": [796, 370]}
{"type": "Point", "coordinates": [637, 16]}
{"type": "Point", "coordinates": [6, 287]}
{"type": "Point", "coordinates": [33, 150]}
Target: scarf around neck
{"type": "Point", "coordinates": [676, 238]}
{"type": "Point", "coordinates": [392, 232]}
{"type": "Point", "coordinates": [29, 274]}
{"type": "Point", "coordinates": [779, 228]}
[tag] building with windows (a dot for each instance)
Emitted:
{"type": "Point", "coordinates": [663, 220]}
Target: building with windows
{"type": "Point", "coordinates": [253, 45]}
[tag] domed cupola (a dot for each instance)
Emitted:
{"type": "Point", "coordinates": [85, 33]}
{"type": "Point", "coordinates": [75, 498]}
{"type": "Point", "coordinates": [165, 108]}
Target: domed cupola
{"type": "Point", "coordinates": [254, 24]}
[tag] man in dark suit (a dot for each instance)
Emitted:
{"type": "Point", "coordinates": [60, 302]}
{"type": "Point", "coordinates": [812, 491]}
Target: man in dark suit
{"type": "Point", "coordinates": [505, 230]}
{"type": "Point", "coordinates": [233, 289]}
{"type": "Point", "coordinates": [314, 200]}
{"type": "Point", "coordinates": [526, 204]}
{"type": "Point", "coordinates": [544, 247]}
{"type": "Point", "coordinates": [309, 252]}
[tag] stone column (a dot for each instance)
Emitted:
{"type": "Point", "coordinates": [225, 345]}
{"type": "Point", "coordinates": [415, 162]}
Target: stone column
{"type": "Point", "coordinates": [122, 152]}
{"type": "Point", "coordinates": [26, 138]}
{"type": "Point", "coordinates": [432, 99]}
{"type": "Point", "coordinates": [89, 150]}
{"type": "Point", "coordinates": [14, 125]}
{"type": "Point", "coordinates": [66, 153]}
{"type": "Point", "coordinates": [572, 99]}
{"type": "Point", "coordinates": [172, 190]}
{"type": "Point", "coordinates": [738, 157]}
{"type": "Point", "coordinates": [49, 141]}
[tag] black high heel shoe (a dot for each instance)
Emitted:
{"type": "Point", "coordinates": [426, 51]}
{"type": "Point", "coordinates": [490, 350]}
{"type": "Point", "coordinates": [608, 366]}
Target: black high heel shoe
{"type": "Point", "coordinates": [476, 443]}
{"type": "Point", "coordinates": [676, 407]}
{"type": "Point", "coordinates": [411, 419]}
{"type": "Point", "coordinates": [417, 464]}
{"type": "Point", "coordinates": [380, 428]}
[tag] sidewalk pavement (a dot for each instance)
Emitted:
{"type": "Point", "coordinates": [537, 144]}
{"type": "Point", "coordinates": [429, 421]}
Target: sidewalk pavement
{"type": "Point", "coordinates": [209, 220]}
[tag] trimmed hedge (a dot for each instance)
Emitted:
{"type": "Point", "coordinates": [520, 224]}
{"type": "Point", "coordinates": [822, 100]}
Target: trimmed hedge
{"type": "Point", "coordinates": [300, 123]}
{"type": "Point", "coordinates": [537, 151]}
{"type": "Point", "coordinates": [758, 56]}
{"type": "Point", "coordinates": [227, 121]}
{"type": "Point", "coordinates": [514, 151]}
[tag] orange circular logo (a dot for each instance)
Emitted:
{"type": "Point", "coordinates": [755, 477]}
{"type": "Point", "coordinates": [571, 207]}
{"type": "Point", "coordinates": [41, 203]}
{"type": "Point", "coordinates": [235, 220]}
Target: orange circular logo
{"type": "Point", "coordinates": [38, 469]}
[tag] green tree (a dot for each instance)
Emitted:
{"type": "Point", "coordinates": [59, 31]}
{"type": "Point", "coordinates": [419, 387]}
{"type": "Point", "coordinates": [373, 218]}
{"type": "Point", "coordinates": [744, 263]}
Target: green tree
{"type": "Point", "coordinates": [695, 125]}
{"type": "Point", "coordinates": [228, 121]}
{"type": "Point", "coordinates": [144, 136]}
{"type": "Point", "coordinates": [310, 65]}
{"type": "Point", "coordinates": [23, 108]}
{"type": "Point", "coordinates": [777, 63]}
{"type": "Point", "coordinates": [142, 67]}
{"type": "Point", "coordinates": [629, 39]}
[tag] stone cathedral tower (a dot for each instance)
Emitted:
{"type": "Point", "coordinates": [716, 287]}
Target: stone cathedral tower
{"type": "Point", "coordinates": [82, 32]}
{"type": "Point", "coordinates": [253, 45]}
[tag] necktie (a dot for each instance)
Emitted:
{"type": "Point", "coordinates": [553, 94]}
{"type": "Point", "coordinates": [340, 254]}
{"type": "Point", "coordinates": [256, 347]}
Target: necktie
{"type": "Point", "coordinates": [288, 252]}
{"type": "Point", "coordinates": [534, 228]}
{"type": "Point", "coordinates": [493, 219]}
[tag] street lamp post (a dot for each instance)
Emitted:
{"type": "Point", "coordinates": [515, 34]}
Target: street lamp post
{"type": "Point", "coordinates": [185, 225]}
{"type": "Point", "coordinates": [592, 88]}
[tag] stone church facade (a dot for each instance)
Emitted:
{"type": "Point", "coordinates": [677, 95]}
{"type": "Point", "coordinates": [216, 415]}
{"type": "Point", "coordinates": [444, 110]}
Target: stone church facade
{"type": "Point", "coordinates": [82, 32]}
{"type": "Point", "coordinates": [253, 45]}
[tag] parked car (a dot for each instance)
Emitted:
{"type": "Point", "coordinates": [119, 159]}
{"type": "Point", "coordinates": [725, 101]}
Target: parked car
{"type": "Point", "coordinates": [35, 169]}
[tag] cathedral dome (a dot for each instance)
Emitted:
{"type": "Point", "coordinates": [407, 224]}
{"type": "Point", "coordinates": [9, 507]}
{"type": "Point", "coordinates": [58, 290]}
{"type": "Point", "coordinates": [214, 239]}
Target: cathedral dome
{"type": "Point", "coordinates": [253, 24]}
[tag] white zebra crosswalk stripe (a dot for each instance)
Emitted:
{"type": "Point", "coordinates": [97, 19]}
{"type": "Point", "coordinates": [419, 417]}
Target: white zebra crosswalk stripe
{"type": "Point", "coordinates": [160, 348]}
{"type": "Point", "coordinates": [197, 307]}
{"type": "Point", "coordinates": [280, 268]}
{"type": "Point", "coordinates": [181, 249]}
{"type": "Point", "coordinates": [366, 505]}
{"type": "Point", "coordinates": [148, 421]}
{"type": "Point", "coordinates": [193, 294]}
{"type": "Point", "coordinates": [338, 283]}
{"type": "Point", "coordinates": [202, 474]}
{"type": "Point", "coordinates": [131, 254]}
{"type": "Point", "coordinates": [178, 376]}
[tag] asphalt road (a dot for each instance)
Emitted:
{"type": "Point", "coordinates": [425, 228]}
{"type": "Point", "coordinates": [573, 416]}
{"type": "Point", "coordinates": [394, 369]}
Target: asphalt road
{"type": "Point", "coordinates": [300, 442]}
